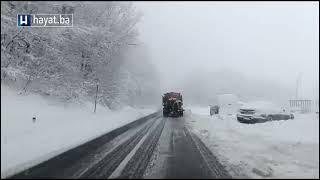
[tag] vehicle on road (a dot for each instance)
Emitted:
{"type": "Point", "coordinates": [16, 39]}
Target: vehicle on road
{"type": "Point", "coordinates": [214, 110]}
{"type": "Point", "coordinates": [172, 104]}
{"type": "Point", "coordinates": [247, 115]}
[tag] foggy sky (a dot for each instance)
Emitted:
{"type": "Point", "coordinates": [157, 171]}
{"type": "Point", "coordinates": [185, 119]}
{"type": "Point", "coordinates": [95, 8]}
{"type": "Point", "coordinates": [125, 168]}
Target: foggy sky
{"type": "Point", "coordinates": [264, 40]}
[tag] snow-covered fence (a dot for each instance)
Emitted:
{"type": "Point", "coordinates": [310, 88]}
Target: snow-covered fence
{"type": "Point", "coordinates": [304, 106]}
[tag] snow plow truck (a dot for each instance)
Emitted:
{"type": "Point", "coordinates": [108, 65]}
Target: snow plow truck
{"type": "Point", "coordinates": [172, 104]}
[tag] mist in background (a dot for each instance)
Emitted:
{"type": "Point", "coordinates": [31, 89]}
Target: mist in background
{"type": "Point", "coordinates": [253, 49]}
{"type": "Point", "coordinates": [136, 51]}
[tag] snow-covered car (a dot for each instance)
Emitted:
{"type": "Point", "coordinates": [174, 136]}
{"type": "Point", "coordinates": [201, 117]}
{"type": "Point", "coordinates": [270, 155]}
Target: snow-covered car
{"type": "Point", "coordinates": [251, 115]}
{"type": "Point", "coordinates": [280, 116]}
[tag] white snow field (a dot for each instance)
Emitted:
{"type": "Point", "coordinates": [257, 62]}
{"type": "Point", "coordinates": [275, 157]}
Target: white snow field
{"type": "Point", "coordinates": [277, 149]}
{"type": "Point", "coordinates": [58, 127]}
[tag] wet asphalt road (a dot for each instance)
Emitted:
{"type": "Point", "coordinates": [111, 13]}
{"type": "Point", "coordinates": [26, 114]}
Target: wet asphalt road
{"type": "Point", "coordinates": [158, 147]}
{"type": "Point", "coordinates": [180, 154]}
{"type": "Point", "coordinates": [184, 161]}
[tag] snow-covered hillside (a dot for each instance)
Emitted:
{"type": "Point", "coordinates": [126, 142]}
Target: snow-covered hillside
{"type": "Point", "coordinates": [278, 149]}
{"type": "Point", "coordinates": [58, 127]}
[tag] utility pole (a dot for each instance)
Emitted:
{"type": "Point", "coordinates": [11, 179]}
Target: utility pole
{"type": "Point", "coordinates": [298, 81]}
{"type": "Point", "coordinates": [95, 101]}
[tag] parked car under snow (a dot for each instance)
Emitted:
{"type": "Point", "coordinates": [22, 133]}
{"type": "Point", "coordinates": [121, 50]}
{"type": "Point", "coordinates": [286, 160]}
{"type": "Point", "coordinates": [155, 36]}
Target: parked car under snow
{"type": "Point", "coordinates": [252, 115]}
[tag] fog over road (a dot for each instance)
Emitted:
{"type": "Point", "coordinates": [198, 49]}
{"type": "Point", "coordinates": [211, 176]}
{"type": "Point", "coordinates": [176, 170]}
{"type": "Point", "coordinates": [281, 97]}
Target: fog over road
{"type": "Point", "coordinates": [265, 41]}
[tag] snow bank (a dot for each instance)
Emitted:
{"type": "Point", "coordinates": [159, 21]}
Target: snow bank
{"type": "Point", "coordinates": [198, 109]}
{"type": "Point", "coordinates": [58, 127]}
{"type": "Point", "coordinates": [278, 149]}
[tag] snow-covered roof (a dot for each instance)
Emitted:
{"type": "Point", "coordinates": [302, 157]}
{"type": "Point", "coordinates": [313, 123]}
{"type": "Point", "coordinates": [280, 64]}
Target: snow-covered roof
{"type": "Point", "coordinates": [260, 106]}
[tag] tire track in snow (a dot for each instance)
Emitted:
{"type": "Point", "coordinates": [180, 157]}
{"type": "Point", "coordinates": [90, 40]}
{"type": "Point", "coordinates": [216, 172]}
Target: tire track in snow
{"type": "Point", "coordinates": [139, 162]}
{"type": "Point", "coordinates": [112, 160]}
{"type": "Point", "coordinates": [69, 163]}
{"type": "Point", "coordinates": [216, 168]}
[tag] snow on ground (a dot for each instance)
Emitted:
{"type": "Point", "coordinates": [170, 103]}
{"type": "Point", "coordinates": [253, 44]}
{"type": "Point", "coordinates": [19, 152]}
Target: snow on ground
{"type": "Point", "coordinates": [278, 149]}
{"type": "Point", "coordinates": [198, 109]}
{"type": "Point", "coordinates": [58, 127]}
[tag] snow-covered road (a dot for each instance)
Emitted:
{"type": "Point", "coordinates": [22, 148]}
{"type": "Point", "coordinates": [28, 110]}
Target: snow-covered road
{"type": "Point", "coordinates": [157, 147]}
{"type": "Point", "coordinates": [58, 127]}
{"type": "Point", "coordinates": [196, 145]}
{"type": "Point", "coordinates": [180, 154]}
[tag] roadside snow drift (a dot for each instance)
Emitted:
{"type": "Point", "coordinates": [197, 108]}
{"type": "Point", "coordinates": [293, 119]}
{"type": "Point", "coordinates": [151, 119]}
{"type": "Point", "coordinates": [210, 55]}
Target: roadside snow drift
{"type": "Point", "coordinates": [277, 149]}
{"type": "Point", "coordinates": [57, 127]}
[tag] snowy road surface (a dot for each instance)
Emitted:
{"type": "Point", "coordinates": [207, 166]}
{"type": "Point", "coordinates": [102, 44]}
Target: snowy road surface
{"type": "Point", "coordinates": [25, 143]}
{"type": "Point", "coordinates": [153, 147]}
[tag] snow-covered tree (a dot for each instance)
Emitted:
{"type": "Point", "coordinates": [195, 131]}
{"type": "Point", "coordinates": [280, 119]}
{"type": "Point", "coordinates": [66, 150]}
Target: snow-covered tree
{"type": "Point", "coordinates": [67, 62]}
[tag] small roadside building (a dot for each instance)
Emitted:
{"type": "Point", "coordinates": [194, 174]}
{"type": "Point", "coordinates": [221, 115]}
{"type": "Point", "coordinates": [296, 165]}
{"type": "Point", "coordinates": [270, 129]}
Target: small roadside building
{"type": "Point", "coordinates": [228, 103]}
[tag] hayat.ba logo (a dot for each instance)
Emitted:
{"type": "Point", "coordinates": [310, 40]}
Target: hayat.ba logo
{"type": "Point", "coordinates": [45, 20]}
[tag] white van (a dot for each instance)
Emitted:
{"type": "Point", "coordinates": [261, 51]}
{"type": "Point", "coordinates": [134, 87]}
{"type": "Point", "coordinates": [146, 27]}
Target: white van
{"type": "Point", "coordinates": [228, 103]}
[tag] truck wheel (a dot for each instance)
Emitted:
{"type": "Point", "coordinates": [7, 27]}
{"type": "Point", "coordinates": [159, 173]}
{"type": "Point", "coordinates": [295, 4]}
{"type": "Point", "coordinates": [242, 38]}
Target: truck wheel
{"type": "Point", "coordinates": [164, 114]}
{"type": "Point", "coordinates": [291, 116]}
